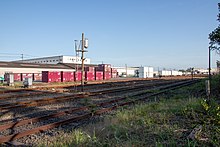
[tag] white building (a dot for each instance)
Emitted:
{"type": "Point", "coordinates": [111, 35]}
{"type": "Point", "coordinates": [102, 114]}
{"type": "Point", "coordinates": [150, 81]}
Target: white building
{"type": "Point", "coordinates": [146, 72]}
{"type": "Point", "coordinates": [56, 59]}
{"type": "Point", "coordinates": [127, 71]}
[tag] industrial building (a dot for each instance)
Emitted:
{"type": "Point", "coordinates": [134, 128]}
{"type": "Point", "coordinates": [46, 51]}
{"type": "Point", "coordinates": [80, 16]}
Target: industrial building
{"type": "Point", "coordinates": [146, 72]}
{"type": "Point", "coordinates": [15, 67]}
{"type": "Point", "coordinates": [56, 60]}
{"type": "Point", "coordinates": [127, 71]}
{"type": "Point", "coordinates": [141, 72]}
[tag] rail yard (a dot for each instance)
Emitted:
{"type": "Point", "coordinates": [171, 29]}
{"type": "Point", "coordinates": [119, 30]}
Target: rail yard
{"type": "Point", "coordinates": [28, 114]}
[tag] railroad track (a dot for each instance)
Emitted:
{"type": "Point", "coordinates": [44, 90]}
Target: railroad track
{"type": "Point", "coordinates": [88, 112]}
{"type": "Point", "coordinates": [50, 100]}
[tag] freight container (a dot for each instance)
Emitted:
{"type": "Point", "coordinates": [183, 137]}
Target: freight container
{"type": "Point", "coordinates": [26, 75]}
{"type": "Point", "coordinates": [98, 75]}
{"type": "Point", "coordinates": [165, 73]}
{"type": "Point", "coordinates": [37, 76]}
{"type": "Point", "coordinates": [106, 75]}
{"type": "Point", "coordinates": [78, 75]}
{"type": "Point", "coordinates": [51, 76]}
{"type": "Point", "coordinates": [67, 76]}
{"type": "Point", "coordinates": [17, 76]}
{"type": "Point", "coordinates": [90, 69]}
{"type": "Point", "coordinates": [89, 76]}
{"type": "Point", "coordinates": [104, 67]}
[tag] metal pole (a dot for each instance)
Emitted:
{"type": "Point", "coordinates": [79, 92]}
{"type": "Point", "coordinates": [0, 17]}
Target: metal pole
{"type": "Point", "coordinates": [209, 63]}
{"type": "Point", "coordinates": [209, 83]}
{"type": "Point", "coordinates": [82, 75]}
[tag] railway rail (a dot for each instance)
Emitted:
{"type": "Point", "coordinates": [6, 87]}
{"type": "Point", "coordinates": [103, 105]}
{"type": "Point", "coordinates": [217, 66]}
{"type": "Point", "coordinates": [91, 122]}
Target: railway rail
{"type": "Point", "coordinates": [88, 112]}
{"type": "Point", "coordinates": [37, 102]}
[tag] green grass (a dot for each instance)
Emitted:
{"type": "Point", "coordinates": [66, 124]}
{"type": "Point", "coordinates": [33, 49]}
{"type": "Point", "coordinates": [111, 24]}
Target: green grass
{"type": "Point", "coordinates": [168, 122]}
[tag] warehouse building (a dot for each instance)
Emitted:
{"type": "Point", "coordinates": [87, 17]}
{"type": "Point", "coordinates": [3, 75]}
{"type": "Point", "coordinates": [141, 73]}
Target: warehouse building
{"type": "Point", "coordinates": [56, 60]}
{"type": "Point", "coordinates": [15, 67]}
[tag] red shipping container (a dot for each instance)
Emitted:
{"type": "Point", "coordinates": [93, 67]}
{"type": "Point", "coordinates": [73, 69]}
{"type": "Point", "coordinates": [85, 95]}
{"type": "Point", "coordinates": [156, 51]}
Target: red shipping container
{"type": "Point", "coordinates": [67, 76]}
{"type": "Point", "coordinates": [89, 76]}
{"type": "Point", "coordinates": [17, 76]}
{"type": "Point", "coordinates": [90, 69]}
{"type": "Point", "coordinates": [51, 76]}
{"type": "Point", "coordinates": [78, 75]}
{"type": "Point", "coordinates": [26, 75]}
{"type": "Point", "coordinates": [98, 75]}
{"type": "Point", "coordinates": [106, 75]}
{"type": "Point", "coordinates": [37, 77]}
{"type": "Point", "coordinates": [104, 67]}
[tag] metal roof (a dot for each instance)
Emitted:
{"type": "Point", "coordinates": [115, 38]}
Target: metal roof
{"type": "Point", "coordinates": [32, 65]}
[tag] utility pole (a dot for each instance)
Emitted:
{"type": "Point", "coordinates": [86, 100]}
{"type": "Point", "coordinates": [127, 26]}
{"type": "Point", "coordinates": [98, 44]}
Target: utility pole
{"type": "Point", "coordinates": [22, 57]}
{"type": "Point", "coordinates": [84, 44]}
{"type": "Point", "coordinates": [192, 72]}
{"type": "Point", "coordinates": [208, 83]}
{"type": "Point", "coordinates": [82, 75]}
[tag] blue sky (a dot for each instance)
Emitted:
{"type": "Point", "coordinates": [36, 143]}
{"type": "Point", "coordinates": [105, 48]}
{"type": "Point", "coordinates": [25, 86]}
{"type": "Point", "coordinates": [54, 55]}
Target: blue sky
{"type": "Point", "coordinates": [158, 33]}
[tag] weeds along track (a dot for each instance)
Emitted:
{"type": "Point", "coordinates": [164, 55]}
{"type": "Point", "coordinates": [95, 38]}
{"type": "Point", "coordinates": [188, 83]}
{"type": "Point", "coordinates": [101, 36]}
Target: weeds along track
{"type": "Point", "coordinates": [78, 111]}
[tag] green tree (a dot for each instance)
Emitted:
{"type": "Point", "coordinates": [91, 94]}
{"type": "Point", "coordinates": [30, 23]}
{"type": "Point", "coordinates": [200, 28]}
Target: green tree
{"type": "Point", "coordinates": [214, 36]}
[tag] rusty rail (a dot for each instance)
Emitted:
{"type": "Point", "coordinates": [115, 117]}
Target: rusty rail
{"type": "Point", "coordinates": [68, 97]}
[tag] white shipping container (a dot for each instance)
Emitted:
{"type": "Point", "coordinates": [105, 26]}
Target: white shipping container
{"type": "Point", "coordinates": [165, 73]}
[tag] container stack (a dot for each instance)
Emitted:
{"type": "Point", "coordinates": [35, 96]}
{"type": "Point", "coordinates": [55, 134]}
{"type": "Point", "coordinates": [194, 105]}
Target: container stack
{"type": "Point", "coordinates": [51, 76]}
{"type": "Point", "coordinates": [98, 75]}
{"type": "Point", "coordinates": [106, 69]}
{"type": "Point", "coordinates": [67, 76]}
{"type": "Point", "coordinates": [90, 73]}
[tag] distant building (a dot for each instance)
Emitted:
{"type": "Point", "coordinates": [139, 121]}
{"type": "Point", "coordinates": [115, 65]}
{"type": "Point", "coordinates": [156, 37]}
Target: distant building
{"type": "Point", "coordinates": [146, 72]}
{"type": "Point", "coordinates": [56, 60]}
{"type": "Point", "coordinates": [127, 71]}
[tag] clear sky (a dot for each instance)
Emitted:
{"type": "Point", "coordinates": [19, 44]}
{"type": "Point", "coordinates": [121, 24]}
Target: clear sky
{"type": "Point", "coordinates": [158, 33]}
